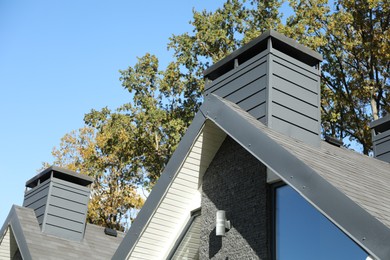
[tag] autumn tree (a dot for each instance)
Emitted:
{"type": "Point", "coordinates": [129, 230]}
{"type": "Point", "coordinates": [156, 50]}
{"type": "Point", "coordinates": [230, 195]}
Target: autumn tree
{"type": "Point", "coordinates": [136, 140]}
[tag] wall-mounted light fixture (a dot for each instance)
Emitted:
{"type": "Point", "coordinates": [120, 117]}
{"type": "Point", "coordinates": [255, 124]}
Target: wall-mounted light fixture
{"type": "Point", "coordinates": [221, 223]}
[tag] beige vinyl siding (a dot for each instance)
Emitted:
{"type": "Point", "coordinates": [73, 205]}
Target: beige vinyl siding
{"type": "Point", "coordinates": [183, 195]}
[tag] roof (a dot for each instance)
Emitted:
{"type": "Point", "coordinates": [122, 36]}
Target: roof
{"type": "Point", "coordinates": [350, 189]}
{"type": "Point", "coordinates": [33, 244]}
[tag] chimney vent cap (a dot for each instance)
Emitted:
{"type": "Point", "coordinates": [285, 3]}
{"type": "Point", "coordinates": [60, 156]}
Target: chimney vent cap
{"type": "Point", "coordinates": [110, 232]}
{"type": "Point", "coordinates": [333, 141]}
{"type": "Point", "coordinates": [59, 173]}
{"type": "Point", "coordinates": [381, 125]}
{"type": "Point", "coordinates": [259, 44]}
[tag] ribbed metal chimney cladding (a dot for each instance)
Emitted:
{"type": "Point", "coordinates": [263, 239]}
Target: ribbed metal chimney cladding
{"type": "Point", "coordinates": [276, 80]}
{"type": "Point", "coordinates": [381, 138]}
{"type": "Point", "coordinates": [59, 198]}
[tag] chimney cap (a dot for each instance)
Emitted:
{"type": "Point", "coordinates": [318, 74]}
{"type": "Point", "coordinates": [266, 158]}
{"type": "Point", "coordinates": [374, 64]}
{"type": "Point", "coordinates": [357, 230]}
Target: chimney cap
{"type": "Point", "coordinates": [59, 173]}
{"type": "Point", "coordinates": [259, 44]}
{"type": "Point", "coordinates": [381, 125]}
{"type": "Point", "coordinates": [333, 141]}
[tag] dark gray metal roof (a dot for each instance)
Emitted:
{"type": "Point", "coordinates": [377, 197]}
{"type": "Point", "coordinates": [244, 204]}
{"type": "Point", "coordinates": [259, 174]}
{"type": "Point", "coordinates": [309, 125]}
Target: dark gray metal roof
{"type": "Point", "coordinates": [281, 42]}
{"type": "Point", "coordinates": [33, 244]}
{"type": "Point", "coordinates": [60, 173]}
{"type": "Point", "coordinates": [351, 189]}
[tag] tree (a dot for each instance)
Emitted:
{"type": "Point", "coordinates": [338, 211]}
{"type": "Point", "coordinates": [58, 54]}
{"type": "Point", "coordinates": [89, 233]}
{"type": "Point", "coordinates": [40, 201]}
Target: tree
{"type": "Point", "coordinates": [356, 69]}
{"type": "Point", "coordinates": [137, 139]}
{"type": "Point", "coordinates": [104, 155]}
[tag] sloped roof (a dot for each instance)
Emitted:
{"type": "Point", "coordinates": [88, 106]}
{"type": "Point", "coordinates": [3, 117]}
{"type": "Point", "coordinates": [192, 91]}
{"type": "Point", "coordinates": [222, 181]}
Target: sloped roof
{"type": "Point", "coordinates": [33, 244]}
{"type": "Point", "coordinates": [350, 189]}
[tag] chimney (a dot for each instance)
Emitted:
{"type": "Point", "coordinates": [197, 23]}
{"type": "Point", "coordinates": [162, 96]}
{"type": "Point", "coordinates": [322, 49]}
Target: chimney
{"type": "Point", "coordinates": [380, 130]}
{"type": "Point", "coordinates": [276, 80]}
{"type": "Point", "coordinates": [59, 198]}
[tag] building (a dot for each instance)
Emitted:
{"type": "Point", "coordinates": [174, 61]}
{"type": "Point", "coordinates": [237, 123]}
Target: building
{"type": "Point", "coordinates": [251, 179]}
{"type": "Point", "coordinates": [52, 222]}
{"type": "Point", "coordinates": [254, 149]}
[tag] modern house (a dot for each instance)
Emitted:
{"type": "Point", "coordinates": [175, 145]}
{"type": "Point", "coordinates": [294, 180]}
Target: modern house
{"type": "Point", "coordinates": [251, 179]}
{"type": "Point", "coordinates": [52, 222]}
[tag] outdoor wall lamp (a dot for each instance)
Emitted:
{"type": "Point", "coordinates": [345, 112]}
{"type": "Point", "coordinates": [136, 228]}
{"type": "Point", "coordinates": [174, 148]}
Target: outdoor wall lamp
{"type": "Point", "coordinates": [221, 223]}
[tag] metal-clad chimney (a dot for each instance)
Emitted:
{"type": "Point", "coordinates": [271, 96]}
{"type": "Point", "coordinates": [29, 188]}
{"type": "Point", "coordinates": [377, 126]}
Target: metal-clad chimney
{"type": "Point", "coordinates": [276, 80]}
{"type": "Point", "coordinates": [380, 130]}
{"type": "Point", "coordinates": [59, 198]}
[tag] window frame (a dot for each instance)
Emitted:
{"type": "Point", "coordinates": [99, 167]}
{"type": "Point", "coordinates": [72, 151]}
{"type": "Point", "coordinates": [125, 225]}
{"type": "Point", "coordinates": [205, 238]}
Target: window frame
{"type": "Point", "coordinates": [193, 214]}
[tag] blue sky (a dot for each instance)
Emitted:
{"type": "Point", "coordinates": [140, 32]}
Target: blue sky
{"type": "Point", "coordinates": [59, 59]}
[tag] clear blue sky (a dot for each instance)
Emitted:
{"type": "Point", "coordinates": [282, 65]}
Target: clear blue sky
{"type": "Point", "coordinates": [59, 59]}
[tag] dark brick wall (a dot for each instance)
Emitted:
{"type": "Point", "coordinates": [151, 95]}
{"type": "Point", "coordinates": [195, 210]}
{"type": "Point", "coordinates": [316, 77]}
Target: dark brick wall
{"type": "Point", "coordinates": [235, 182]}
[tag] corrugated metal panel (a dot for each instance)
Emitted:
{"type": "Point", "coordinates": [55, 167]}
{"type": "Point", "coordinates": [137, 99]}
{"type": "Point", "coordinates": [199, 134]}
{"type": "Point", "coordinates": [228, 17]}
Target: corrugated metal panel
{"type": "Point", "coordinates": [182, 197]}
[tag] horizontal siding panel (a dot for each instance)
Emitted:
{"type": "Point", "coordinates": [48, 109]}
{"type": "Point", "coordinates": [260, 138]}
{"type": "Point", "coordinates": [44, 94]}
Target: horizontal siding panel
{"type": "Point", "coordinates": [177, 203]}
{"type": "Point", "coordinates": [293, 76]}
{"type": "Point", "coordinates": [248, 90]}
{"type": "Point", "coordinates": [256, 67]}
{"type": "Point", "coordinates": [382, 147]}
{"type": "Point", "coordinates": [294, 118]}
{"type": "Point", "coordinates": [40, 202]}
{"type": "Point", "coordinates": [71, 186]}
{"type": "Point", "coordinates": [176, 189]}
{"type": "Point", "coordinates": [171, 208]}
{"type": "Point", "coordinates": [64, 223]}
{"type": "Point", "coordinates": [253, 101]}
{"type": "Point", "coordinates": [161, 238]}
{"type": "Point", "coordinates": [240, 81]}
{"type": "Point", "coordinates": [159, 226]}
{"type": "Point", "coordinates": [40, 211]}
{"type": "Point", "coordinates": [188, 171]}
{"type": "Point", "coordinates": [139, 254]}
{"type": "Point", "coordinates": [151, 242]}
{"type": "Point", "coordinates": [381, 137]}
{"type": "Point", "coordinates": [294, 131]}
{"type": "Point", "coordinates": [295, 90]}
{"type": "Point", "coordinates": [296, 64]}
{"type": "Point", "coordinates": [150, 250]}
{"type": "Point", "coordinates": [67, 213]}
{"type": "Point", "coordinates": [69, 195]}
{"type": "Point", "coordinates": [190, 178]}
{"type": "Point", "coordinates": [61, 232]}
{"type": "Point", "coordinates": [295, 104]}
{"type": "Point", "coordinates": [64, 203]}
{"type": "Point", "coordinates": [185, 193]}
{"type": "Point", "coordinates": [258, 111]}
{"type": "Point", "coordinates": [37, 190]}
{"type": "Point", "coordinates": [175, 197]}
{"type": "Point", "coordinates": [191, 185]}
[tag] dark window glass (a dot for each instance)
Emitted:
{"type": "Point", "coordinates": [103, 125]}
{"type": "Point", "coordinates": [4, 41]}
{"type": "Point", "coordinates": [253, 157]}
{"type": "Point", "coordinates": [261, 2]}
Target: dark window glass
{"type": "Point", "coordinates": [302, 232]}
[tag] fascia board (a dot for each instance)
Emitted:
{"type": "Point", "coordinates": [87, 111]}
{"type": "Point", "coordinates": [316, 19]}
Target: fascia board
{"type": "Point", "coordinates": [12, 220]}
{"type": "Point", "coordinates": [159, 190]}
{"type": "Point", "coordinates": [363, 228]}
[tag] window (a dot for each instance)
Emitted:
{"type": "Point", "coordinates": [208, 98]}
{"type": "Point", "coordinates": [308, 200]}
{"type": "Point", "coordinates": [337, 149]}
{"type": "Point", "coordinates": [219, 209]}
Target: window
{"type": "Point", "coordinates": [188, 244]}
{"type": "Point", "coordinates": [302, 232]}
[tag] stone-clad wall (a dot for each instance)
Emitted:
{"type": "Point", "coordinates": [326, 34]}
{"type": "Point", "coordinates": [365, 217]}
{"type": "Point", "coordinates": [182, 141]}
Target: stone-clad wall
{"type": "Point", "coordinates": [235, 182]}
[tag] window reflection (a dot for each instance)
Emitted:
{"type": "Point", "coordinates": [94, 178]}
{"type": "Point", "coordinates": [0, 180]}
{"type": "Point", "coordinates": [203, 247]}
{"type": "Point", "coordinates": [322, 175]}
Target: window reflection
{"type": "Point", "coordinates": [302, 232]}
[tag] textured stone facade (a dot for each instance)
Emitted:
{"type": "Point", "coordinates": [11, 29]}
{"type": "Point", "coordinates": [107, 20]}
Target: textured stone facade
{"type": "Point", "coordinates": [235, 182]}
